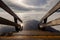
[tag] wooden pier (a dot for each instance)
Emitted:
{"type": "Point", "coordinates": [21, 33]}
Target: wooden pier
{"type": "Point", "coordinates": [32, 35]}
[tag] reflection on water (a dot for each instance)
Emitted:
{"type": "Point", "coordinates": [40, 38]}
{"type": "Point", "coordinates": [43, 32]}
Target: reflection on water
{"type": "Point", "coordinates": [6, 29]}
{"type": "Point", "coordinates": [31, 25]}
{"type": "Point", "coordinates": [28, 25]}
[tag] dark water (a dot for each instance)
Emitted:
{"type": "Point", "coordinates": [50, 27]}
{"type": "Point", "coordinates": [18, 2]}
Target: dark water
{"type": "Point", "coordinates": [33, 25]}
{"type": "Point", "coordinates": [28, 25]}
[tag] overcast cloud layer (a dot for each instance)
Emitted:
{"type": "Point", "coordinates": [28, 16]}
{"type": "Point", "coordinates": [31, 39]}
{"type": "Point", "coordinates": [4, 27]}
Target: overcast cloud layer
{"type": "Point", "coordinates": [30, 5]}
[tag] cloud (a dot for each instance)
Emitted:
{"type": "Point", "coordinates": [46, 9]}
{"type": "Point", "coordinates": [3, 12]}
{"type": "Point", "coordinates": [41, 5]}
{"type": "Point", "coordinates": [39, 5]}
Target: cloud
{"type": "Point", "coordinates": [30, 5]}
{"type": "Point", "coordinates": [34, 3]}
{"type": "Point", "coordinates": [15, 7]}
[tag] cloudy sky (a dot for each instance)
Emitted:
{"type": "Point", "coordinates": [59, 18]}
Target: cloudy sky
{"type": "Point", "coordinates": [30, 5]}
{"type": "Point", "coordinates": [29, 9]}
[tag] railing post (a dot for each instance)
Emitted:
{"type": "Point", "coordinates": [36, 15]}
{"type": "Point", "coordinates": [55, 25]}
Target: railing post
{"type": "Point", "coordinates": [16, 28]}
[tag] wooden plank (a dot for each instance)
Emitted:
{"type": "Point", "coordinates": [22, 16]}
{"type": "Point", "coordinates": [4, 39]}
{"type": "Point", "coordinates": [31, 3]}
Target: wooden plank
{"type": "Point", "coordinates": [26, 37]}
{"type": "Point", "coordinates": [42, 34]}
{"type": "Point", "coordinates": [7, 22]}
{"type": "Point", "coordinates": [51, 23]}
{"type": "Point", "coordinates": [7, 9]}
{"type": "Point", "coordinates": [36, 33]}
